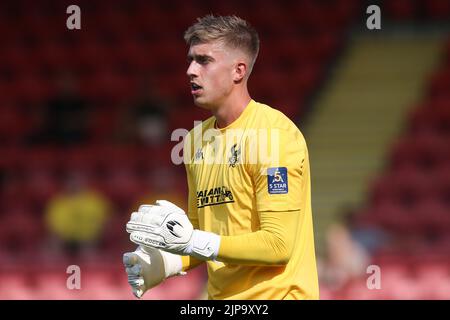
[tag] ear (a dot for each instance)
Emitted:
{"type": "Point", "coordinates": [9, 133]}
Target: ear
{"type": "Point", "coordinates": [240, 71]}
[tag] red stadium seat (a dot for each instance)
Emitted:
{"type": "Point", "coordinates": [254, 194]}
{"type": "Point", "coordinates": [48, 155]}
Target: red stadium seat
{"type": "Point", "coordinates": [108, 87]}
{"type": "Point", "coordinates": [438, 9]}
{"type": "Point", "coordinates": [40, 187]}
{"type": "Point", "coordinates": [407, 187]}
{"type": "Point", "coordinates": [53, 286]}
{"type": "Point", "coordinates": [401, 10]}
{"type": "Point", "coordinates": [15, 59]}
{"type": "Point", "coordinates": [15, 126]}
{"type": "Point", "coordinates": [53, 56]}
{"type": "Point", "coordinates": [15, 286]}
{"type": "Point", "coordinates": [122, 186]}
{"type": "Point", "coordinates": [440, 82]}
{"type": "Point", "coordinates": [441, 187]}
{"type": "Point", "coordinates": [21, 232]}
{"type": "Point", "coordinates": [425, 151]}
{"type": "Point", "coordinates": [137, 57]}
{"type": "Point", "coordinates": [33, 90]}
{"type": "Point", "coordinates": [434, 217]}
{"type": "Point", "coordinates": [432, 118]}
{"type": "Point", "coordinates": [395, 218]}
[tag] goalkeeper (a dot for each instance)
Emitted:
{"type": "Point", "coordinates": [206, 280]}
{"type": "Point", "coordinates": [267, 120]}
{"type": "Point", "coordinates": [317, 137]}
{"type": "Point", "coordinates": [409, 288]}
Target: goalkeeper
{"type": "Point", "coordinates": [248, 219]}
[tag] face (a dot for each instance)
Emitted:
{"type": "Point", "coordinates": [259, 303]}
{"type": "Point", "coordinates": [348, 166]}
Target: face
{"type": "Point", "coordinates": [212, 73]}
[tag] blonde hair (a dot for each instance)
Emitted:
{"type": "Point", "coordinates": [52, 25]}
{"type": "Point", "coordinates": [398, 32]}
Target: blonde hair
{"type": "Point", "coordinates": [232, 30]}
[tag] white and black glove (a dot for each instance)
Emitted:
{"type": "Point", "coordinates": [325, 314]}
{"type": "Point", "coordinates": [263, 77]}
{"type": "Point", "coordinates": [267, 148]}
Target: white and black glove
{"type": "Point", "coordinates": [148, 267]}
{"type": "Point", "coordinates": [167, 227]}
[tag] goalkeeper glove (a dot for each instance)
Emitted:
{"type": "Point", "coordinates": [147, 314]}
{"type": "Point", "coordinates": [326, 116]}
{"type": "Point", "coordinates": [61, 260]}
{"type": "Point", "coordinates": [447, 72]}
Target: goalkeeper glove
{"type": "Point", "coordinates": [167, 227]}
{"type": "Point", "coordinates": [148, 267]}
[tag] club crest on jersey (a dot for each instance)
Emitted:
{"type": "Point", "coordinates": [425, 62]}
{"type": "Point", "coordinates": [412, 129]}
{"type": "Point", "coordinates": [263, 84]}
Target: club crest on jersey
{"type": "Point", "coordinates": [277, 180]}
{"type": "Point", "coordinates": [199, 155]}
{"type": "Point", "coordinates": [235, 154]}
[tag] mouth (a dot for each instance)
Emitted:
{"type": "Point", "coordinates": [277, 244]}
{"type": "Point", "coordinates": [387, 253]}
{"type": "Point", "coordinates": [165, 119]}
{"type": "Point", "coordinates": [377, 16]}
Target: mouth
{"type": "Point", "coordinates": [195, 88]}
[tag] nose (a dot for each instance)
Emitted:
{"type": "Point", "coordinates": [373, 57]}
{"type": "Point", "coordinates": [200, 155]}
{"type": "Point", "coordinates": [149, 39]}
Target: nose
{"type": "Point", "coordinates": [192, 70]}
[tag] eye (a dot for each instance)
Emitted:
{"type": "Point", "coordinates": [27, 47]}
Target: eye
{"type": "Point", "coordinates": [202, 60]}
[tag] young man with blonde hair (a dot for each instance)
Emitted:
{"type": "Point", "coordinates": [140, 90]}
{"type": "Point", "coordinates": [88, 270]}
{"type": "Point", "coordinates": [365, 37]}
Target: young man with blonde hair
{"type": "Point", "coordinates": [249, 218]}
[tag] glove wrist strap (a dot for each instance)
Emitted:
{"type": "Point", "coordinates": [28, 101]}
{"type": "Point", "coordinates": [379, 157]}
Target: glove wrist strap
{"type": "Point", "coordinates": [173, 265]}
{"type": "Point", "coordinates": [204, 245]}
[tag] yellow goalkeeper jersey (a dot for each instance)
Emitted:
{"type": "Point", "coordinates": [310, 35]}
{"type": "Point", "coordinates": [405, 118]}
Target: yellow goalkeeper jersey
{"type": "Point", "coordinates": [250, 184]}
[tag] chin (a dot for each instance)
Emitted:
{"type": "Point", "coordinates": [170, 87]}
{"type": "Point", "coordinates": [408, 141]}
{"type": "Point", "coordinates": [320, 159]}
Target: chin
{"type": "Point", "coordinates": [201, 103]}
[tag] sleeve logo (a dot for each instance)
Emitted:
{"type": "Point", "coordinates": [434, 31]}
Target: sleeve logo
{"type": "Point", "coordinates": [277, 180]}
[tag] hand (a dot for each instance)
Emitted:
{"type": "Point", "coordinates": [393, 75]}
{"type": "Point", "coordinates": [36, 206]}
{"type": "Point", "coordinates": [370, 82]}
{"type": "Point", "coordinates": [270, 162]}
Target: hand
{"type": "Point", "coordinates": [163, 226]}
{"type": "Point", "coordinates": [167, 227]}
{"type": "Point", "coordinates": [148, 267]}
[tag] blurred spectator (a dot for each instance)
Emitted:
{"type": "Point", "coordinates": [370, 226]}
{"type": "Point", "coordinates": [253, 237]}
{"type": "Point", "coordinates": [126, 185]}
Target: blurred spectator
{"type": "Point", "coordinates": [77, 217]}
{"type": "Point", "coordinates": [368, 235]}
{"type": "Point", "coordinates": [345, 259]}
{"type": "Point", "coordinates": [146, 120]}
{"type": "Point", "coordinates": [65, 118]}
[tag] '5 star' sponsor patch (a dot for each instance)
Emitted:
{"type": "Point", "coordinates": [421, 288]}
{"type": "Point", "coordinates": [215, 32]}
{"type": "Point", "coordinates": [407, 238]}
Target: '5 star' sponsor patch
{"type": "Point", "coordinates": [277, 180]}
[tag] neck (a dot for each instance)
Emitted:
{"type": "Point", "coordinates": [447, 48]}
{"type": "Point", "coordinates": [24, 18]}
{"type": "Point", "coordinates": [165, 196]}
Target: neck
{"type": "Point", "coordinates": [231, 109]}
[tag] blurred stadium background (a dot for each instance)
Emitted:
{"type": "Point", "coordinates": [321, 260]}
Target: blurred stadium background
{"type": "Point", "coordinates": [86, 117]}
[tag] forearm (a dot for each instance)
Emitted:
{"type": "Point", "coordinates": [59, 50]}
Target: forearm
{"type": "Point", "coordinates": [272, 245]}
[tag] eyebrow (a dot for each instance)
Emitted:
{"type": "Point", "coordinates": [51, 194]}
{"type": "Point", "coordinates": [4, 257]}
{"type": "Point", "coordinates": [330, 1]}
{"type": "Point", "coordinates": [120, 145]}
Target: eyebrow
{"type": "Point", "coordinates": [199, 57]}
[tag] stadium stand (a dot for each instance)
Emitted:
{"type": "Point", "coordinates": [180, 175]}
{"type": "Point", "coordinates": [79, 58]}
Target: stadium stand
{"type": "Point", "coordinates": [119, 44]}
{"type": "Point", "coordinates": [409, 200]}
